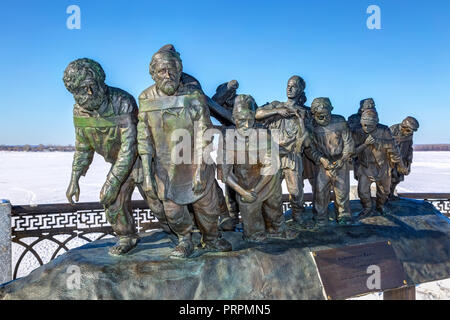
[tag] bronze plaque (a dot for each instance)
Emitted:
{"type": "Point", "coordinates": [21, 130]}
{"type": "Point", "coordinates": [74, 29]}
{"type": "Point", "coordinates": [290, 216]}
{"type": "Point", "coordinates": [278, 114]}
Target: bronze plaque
{"type": "Point", "coordinates": [354, 270]}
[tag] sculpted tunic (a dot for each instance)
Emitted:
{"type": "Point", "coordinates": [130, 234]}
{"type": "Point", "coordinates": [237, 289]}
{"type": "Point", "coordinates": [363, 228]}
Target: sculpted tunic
{"type": "Point", "coordinates": [333, 142]}
{"type": "Point", "coordinates": [110, 131]}
{"type": "Point", "coordinates": [374, 164]}
{"type": "Point", "coordinates": [165, 118]}
{"type": "Point", "coordinates": [405, 146]}
{"type": "Point", "coordinates": [265, 214]}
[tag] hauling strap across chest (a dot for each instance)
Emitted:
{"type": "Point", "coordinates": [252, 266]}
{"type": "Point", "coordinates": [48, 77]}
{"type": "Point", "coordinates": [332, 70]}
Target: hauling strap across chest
{"type": "Point", "coordinates": [102, 122]}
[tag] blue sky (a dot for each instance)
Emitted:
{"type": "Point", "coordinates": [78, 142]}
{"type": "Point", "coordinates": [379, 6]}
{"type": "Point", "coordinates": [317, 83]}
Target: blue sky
{"type": "Point", "coordinates": [405, 66]}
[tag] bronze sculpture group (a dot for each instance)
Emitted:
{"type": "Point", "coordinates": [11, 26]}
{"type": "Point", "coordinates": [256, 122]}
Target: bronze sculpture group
{"type": "Point", "coordinates": [309, 142]}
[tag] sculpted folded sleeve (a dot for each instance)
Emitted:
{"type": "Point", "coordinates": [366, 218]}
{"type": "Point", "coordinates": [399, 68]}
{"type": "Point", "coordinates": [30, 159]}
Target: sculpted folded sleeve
{"type": "Point", "coordinates": [203, 123]}
{"type": "Point", "coordinates": [127, 153]}
{"type": "Point", "coordinates": [84, 154]}
{"type": "Point", "coordinates": [391, 147]}
{"type": "Point", "coordinates": [144, 139]}
{"type": "Point", "coordinates": [349, 144]}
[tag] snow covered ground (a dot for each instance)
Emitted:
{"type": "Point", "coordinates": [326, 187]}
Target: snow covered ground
{"type": "Point", "coordinates": [42, 177]}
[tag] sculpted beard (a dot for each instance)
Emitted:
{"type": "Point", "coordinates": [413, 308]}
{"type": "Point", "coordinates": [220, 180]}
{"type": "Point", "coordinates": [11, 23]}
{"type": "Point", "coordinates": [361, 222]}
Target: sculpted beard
{"type": "Point", "coordinates": [168, 86]}
{"type": "Point", "coordinates": [90, 102]}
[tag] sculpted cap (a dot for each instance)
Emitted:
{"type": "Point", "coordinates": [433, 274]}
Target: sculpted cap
{"type": "Point", "coordinates": [411, 123]}
{"type": "Point", "coordinates": [320, 104]}
{"type": "Point", "coordinates": [166, 53]}
{"type": "Point", "coordinates": [244, 103]}
{"type": "Point", "coordinates": [370, 116]}
{"type": "Point", "coordinates": [366, 104]}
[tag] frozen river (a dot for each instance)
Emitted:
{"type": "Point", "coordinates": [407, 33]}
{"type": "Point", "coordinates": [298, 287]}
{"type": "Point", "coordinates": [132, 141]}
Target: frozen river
{"type": "Point", "coordinates": [42, 177]}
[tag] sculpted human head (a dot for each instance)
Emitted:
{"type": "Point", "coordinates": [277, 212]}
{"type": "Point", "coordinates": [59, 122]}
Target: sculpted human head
{"type": "Point", "coordinates": [85, 79]}
{"type": "Point", "coordinates": [244, 113]}
{"type": "Point", "coordinates": [321, 110]}
{"type": "Point", "coordinates": [366, 104]}
{"type": "Point", "coordinates": [369, 120]}
{"type": "Point", "coordinates": [166, 68]}
{"type": "Point", "coordinates": [295, 87]}
{"type": "Point", "coordinates": [409, 125]}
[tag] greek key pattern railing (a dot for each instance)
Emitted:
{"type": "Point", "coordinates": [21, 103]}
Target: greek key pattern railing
{"type": "Point", "coordinates": [43, 232]}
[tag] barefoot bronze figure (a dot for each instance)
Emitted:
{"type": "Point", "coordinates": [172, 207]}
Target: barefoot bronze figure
{"type": "Point", "coordinates": [403, 136]}
{"type": "Point", "coordinates": [173, 104]}
{"type": "Point", "coordinates": [105, 121]}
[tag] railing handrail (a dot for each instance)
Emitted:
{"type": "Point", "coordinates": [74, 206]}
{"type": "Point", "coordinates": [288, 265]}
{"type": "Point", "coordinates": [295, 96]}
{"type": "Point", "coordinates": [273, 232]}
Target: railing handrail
{"type": "Point", "coordinates": [19, 210]}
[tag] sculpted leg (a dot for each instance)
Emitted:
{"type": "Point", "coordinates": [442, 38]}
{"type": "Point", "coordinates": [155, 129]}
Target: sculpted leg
{"type": "Point", "coordinates": [227, 223]}
{"type": "Point", "coordinates": [364, 195]}
{"type": "Point", "coordinates": [181, 223]}
{"type": "Point", "coordinates": [252, 221]}
{"type": "Point", "coordinates": [273, 217]}
{"type": "Point", "coordinates": [157, 208]}
{"type": "Point", "coordinates": [231, 201]}
{"type": "Point", "coordinates": [294, 183]}
{"type": "Point", "coordinates": [383, 189]}
{"type": "Point", "coordinates": [341, 189]}
{"type": "Point", "coordinates": [206, 212]}
{"type": "Point", "coordinates": [322, 198]}
{"type": "Point", "coordinates": [120, 216]}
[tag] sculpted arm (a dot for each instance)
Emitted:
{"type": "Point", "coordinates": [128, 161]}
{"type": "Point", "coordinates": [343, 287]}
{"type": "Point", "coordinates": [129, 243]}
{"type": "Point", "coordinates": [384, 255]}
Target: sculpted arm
{"type": "Point", "coordinates": [146, 152]}
{"type": "Point", "coordinates": [121, 169]}
{"type": "Point", "coordinates": [81, 161]}
{"type": "Point", "coordinates": [266, 111]}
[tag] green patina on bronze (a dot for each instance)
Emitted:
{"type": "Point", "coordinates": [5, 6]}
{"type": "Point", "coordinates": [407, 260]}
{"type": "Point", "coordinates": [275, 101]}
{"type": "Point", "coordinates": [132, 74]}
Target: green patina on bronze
{"type": "Point", "coordinates": [101, 122]}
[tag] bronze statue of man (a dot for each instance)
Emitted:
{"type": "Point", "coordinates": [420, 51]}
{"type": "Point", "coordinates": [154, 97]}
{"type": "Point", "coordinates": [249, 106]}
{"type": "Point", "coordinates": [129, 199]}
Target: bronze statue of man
{"type": "Point", "coordinates": [225, 96]}
{"type": "Point", "coordinates": [169, 106]}
{"type": "Point", "coordinates": [105, 121]}
{"type": "Point", "coordinates": [376, 153]}
{"type": "Point", "coordinates": [228, 220]}
{"type": "Point", "coordinates": [354, 122]}
{"type": "Point", "coordinates": [331, 148]}
{"type": "Point", "coordinates": [257, 183]}
{"type": "Point", "coordinates": [284, 116]}
{"type": "Point", "coordinates": [403, 135]}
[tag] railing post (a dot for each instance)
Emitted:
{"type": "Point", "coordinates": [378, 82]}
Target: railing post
{"type": "Point", "coordinates": [5, 241]}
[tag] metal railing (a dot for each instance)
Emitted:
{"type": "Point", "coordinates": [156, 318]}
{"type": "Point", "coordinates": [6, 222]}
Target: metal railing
{"type": "Point", "coordinates": [60, 227]}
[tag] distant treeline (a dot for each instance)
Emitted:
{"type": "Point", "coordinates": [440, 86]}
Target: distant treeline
{"type": "Point", "coordinates": [70, 148]}
{"type": "Point", "coordinates": [38, 148]}
{"type": "Point", "coordinates": [432, 147]}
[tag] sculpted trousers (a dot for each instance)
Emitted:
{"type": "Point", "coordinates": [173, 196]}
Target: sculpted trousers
{"type": "Point", "coordinates": [339, 180]}
{"type": "Point", "coordinates": [231, 202]}
{"type": "Point", "coordinates": [263, 215]}
{"type": "Point", "coordinates": [294, 183]}
{"type": "Point", "coordinates": [383, 184]}
{"type": "Point", "coordinates": [120, 213]}
{"type": "Point", "coordinates": [206, 214]}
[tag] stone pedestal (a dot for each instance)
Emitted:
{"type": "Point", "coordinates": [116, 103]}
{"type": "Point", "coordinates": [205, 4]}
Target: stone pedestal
{"type": "Point", "coordinates": [277, 269]}
{"type": "Point", "coordinates": [5, 241]}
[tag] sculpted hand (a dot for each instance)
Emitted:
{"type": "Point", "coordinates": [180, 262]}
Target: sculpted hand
{"type": "Point", "coordinates": [284, 112]}
{"type": "Point", "coordinates": [338, 164]}
{"type": "Point", "coordinates": [402, 169]}
{"type": "Point", "coordinates": [73, 190]}
{"type": "Point", "coordinates": [369, 140]}
{"type": "Point", "coordinates": [109, 192]}
{"type": "Point", "coordinates": [326, 163]}
{"type": "Point", "coordinates": [249, 197]}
